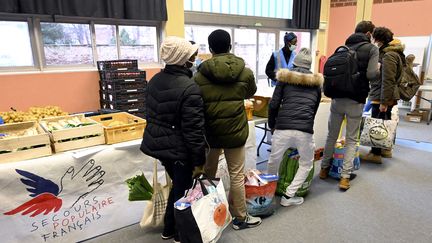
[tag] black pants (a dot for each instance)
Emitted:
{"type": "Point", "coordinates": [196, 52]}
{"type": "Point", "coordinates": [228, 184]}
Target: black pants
{"type": "Point", "coordinates": [383, 115]}
{"type": "Point", "coordinates": [181, 175]}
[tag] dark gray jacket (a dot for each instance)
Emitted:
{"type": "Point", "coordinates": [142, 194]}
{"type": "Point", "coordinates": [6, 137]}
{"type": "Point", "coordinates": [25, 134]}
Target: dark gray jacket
{"type": "Point", "coordinates": [367, 59]}
{"type": "Point", "coordinates": [175, 118]}
{"type": "Point", "coordinates": [295, 100]}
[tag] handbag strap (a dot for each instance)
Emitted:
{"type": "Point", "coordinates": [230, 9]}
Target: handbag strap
{"type": "Point", "coordinates": [155, 177]}
{"type": "Point", "coordinates": [156, 185]}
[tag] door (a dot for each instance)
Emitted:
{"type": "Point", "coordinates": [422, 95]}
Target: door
{"type": "Point", "coordinates": [266, 46]}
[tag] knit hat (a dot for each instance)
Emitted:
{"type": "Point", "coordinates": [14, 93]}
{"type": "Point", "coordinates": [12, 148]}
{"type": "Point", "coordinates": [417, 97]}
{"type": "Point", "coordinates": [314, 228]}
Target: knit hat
{"type": "Point", "coordinates": [303, 58]}
{"type": "Point", "coordinates": [289, 37]}
{"type": "Point", "coordinates": [219, 41]}
{"type": "Point", "coordinates": [176, 51]}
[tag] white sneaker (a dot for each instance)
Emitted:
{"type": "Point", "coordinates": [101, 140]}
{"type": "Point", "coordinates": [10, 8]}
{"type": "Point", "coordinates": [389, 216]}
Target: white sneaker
{"type": "Point", "coordinates": [249, 222]}
{"type": "Point", "coordinates": [291, 201]}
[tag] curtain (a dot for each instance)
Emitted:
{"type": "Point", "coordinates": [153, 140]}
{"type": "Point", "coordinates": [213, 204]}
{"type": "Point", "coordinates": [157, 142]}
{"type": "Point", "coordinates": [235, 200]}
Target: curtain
{"type": "Point", "coordinates": [306, 14]}
{"type": "Point", "coordinates": [118, 9]}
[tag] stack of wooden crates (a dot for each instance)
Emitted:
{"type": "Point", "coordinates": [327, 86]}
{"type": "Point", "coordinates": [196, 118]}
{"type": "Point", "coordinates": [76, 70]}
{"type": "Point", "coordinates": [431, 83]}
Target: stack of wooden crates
{"type": "Point", "coordinates": [122, 86]}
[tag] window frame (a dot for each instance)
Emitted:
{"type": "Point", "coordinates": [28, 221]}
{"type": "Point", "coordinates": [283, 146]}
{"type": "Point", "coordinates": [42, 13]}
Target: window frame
{"type": "Point", "coordinates": [37, 45]}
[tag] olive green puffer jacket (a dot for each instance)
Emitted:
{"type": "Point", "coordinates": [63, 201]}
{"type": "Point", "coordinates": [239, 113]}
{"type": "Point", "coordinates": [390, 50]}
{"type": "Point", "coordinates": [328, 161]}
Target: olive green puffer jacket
{"type": "Point", "coordinates": [225, 82]}
{"type": "Point", "coordinates": [385, 90]}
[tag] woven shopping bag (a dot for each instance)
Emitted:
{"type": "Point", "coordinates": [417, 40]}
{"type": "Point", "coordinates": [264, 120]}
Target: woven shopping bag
{"type": "Point", "coordinates": [154, 211]}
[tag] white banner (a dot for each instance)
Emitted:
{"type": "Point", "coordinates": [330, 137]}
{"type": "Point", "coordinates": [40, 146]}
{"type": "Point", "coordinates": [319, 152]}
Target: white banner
{"type": "Point", "coordinates": [71, 197]}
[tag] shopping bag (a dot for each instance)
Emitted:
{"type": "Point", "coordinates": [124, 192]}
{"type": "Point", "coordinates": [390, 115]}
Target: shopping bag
{"type": "Point", "coordinates": [154, 211]}
{"type": "Point", "coordinates": [260, 189]}
{"type": "Point", "coordinates": [338, 158]}
{"type": "Point", "coordinates": [287, 170]}
{"type": "Point", "coordinates": [202, 218]}
{"type": "Point", "coordinates": [376, 132]}
{"type": "Point", "coordinates": [339, 153]}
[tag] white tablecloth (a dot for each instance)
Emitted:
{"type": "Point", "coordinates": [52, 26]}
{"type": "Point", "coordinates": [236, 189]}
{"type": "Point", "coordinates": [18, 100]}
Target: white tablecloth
{"type": "Point", "coordinates": [104, 209]}
{"type": "Point", "coordinates": [68, 177]}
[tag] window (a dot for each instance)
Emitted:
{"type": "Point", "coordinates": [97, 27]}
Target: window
{"type": "Point", "coordinates": [138, 42]}
{"type": "Point", "coordinates": [66, 44]}
{"type": "Point", "coordinates": [200, 34]}
{"type": "Point", "coordinates": [15, 46]}
{"type": "Point", "coordinates": [106, 42]}
{"type": "Point", "coordinates": [245, 44]}
{"type": "Point", "coordinates": [259, 8]}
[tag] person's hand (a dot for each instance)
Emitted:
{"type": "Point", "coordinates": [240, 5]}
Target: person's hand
{"type": "Point", "coordinates": [197, 171]}
{"type": "Point", "coordinates": [383, 108]}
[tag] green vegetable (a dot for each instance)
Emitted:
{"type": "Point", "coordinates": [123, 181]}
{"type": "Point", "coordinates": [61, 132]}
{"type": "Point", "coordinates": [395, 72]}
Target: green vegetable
{"type": "Point", "coordinates": [139, 188]}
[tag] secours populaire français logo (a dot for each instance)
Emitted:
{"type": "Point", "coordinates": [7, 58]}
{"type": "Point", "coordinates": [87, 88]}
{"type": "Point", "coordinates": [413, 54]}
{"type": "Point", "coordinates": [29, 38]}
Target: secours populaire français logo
{"type": "Point", "coordinates": [47, 196]}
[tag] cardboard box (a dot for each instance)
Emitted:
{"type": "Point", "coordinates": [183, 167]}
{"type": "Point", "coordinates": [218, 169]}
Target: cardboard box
{"type": "Point", "coordinates": [413, 117]}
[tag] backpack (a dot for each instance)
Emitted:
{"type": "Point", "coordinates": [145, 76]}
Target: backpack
{"type": "Point", "coordinates": [341, 75]}
{"type": "Point", "coordinates": [409, 83]}
{"type": "Point", "coordinates": [287, 170]}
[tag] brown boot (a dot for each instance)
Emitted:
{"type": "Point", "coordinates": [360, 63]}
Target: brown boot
{"type": "Point", "coordinates": [344, 183]}
{"type": "Point", "coordinates": [324, 173]}
{"type": "Point", "coordinates": [370, 157]}
{"type": "Point", "coordinates": [386, 153]}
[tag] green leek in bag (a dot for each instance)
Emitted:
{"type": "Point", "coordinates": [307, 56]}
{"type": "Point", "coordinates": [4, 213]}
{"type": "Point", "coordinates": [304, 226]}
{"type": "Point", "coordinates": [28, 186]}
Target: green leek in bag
{"type": "Point", "coordinates": [139, 188]}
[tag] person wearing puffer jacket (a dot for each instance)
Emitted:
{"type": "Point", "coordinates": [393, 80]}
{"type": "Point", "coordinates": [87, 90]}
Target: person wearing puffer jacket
{"type": "Point", "coordinates": [292, 111]}
{"type": "Point", "coordinates": [175, 124]}
{"type": "Point", "coordinates": [225, 82]}
{"type": "Point", "coordinates": [384, 92]}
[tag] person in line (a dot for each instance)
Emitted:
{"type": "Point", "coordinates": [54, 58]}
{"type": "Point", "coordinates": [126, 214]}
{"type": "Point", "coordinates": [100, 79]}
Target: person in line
{"type": "Point", "coordinates": [225, 82]}
{"type": "Point", "coordinates": [384, 94]}
{"type": "Point", "coordinates": [175, 123]}
{"type": "Point", "coordinates": [351, 106]}
{"type": "Point", "coordinates": [292, 111]}
{"type": "Point", "coordinates": [282, 58]}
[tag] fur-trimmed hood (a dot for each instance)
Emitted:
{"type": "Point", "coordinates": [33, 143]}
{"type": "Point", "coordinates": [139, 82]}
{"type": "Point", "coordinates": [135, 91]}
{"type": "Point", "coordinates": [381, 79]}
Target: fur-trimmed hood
{"type": "Point", "coordinates": [297, 78]}
{"type": "Point", "coordinates": [395, 45]}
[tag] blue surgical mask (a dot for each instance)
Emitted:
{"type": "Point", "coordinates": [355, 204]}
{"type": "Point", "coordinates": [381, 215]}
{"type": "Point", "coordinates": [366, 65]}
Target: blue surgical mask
{"type": "Point", "coordinates": [292, 47]}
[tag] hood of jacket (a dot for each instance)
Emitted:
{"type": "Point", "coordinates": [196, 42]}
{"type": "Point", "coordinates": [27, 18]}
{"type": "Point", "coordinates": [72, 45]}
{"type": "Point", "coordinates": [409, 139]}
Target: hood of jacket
{"type": "Point", "coordinates": [222, 68]}
{"type": "Point", "coordinates": [395, 45]}
{"type": "Point", "coordinates": [298, 78]}
{"type": "Point", "coordinates": [357, 38]}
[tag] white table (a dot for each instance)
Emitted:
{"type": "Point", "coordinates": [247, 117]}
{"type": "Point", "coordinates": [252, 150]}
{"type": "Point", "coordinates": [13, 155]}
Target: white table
{"type": "Point", "coordinates": [425, 88]}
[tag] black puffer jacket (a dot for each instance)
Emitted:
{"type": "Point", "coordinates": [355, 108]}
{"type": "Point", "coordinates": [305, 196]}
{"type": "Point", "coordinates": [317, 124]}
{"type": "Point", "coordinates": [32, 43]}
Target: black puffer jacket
{"type": "Point", "coordinates": [367, 59]}
{"type": "Point", "coordinates": [295, 100]}
{"type": "Point", "coordinates": [175, 117]}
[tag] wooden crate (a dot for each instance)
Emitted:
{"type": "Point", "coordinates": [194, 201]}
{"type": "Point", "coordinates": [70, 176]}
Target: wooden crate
{"type": "Point", "coordinates": [133, 128]}
{"type": "Point", "coordinates": [40, 143]}
{"type": "Point", "coordinates": [77, 137]}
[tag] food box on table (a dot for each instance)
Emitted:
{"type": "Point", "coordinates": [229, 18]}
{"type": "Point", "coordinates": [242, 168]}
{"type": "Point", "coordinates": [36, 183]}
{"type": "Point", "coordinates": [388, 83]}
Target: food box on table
{"type": "Point", "coordinates": [24, 140]}
{"type": "Point", "coordinates": [73, 132]}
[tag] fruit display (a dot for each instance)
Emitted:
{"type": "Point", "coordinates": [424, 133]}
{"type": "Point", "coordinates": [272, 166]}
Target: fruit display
{"type": "Point", "coordinates": [65, 123]}
{"type": "Point", "coordinates": [19, 133]}
{"type": "Point", "coordinates": [33, 114]}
